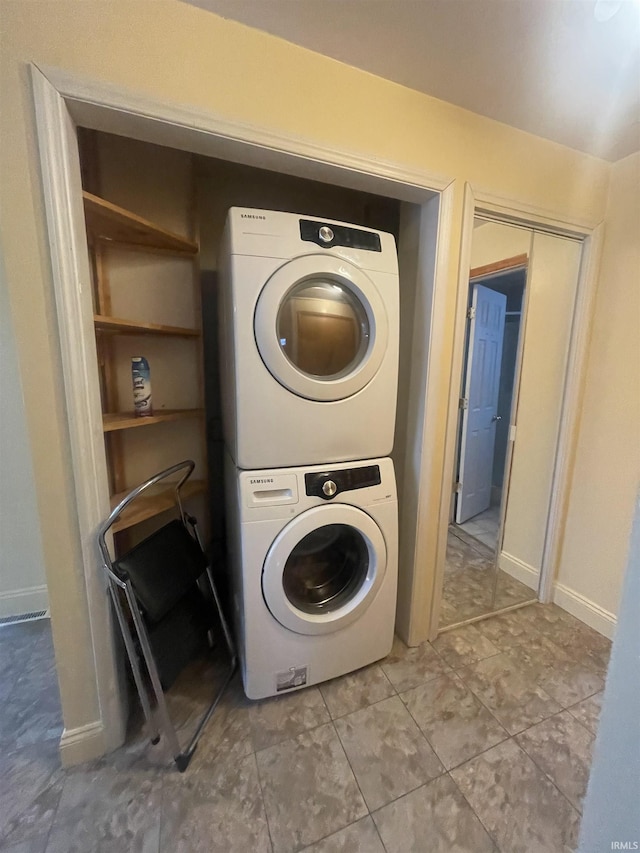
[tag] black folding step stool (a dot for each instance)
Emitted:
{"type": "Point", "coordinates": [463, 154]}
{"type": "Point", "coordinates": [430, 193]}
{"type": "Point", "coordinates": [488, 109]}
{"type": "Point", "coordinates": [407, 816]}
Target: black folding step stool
{"type": "Point", "coordinates": [161, 580]}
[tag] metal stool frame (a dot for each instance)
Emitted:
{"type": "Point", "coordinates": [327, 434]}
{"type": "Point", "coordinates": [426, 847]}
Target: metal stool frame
{"type": "Point", "coordinates": [181, 757]}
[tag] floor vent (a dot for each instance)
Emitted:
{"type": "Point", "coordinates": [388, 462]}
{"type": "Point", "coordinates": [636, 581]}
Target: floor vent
{"type": "Point", "coordinates": [24, 617]}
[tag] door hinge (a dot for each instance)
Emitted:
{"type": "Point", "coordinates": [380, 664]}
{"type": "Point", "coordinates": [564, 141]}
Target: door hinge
{"type": "Point", "coordinates": [463, 403]}
{"type": "Point", "coordinates": [458, 487]}
{"type": "Point", "coordinates": [471, 313]}
{"type": "Point", "coordinates": [512, 432]}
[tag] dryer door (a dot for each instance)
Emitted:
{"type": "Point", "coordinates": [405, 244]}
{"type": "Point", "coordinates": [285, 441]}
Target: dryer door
{"type": "Point", "coordinates": [321, 327]}
{"type": "Point", "coordinates": [324, 569]}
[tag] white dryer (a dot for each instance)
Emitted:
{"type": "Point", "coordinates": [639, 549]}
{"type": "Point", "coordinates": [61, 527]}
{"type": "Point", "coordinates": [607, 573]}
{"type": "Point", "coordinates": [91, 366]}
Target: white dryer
{"type": "Point", "coordinates": [309, 339]}
{"type": "Point", "coordinates": [314, 567]}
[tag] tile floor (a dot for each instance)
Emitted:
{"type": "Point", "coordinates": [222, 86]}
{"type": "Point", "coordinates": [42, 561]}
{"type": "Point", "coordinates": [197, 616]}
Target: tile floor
{"type": "Point", "coordinates": [470, 580]}
{"type": "Point", "coordinates": [484, 526]}
{"type": "Point", "coordinates": [480, 741]}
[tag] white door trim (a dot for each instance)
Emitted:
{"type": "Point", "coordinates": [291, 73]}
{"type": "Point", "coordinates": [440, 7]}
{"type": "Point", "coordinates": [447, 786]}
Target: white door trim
{"type": "Point", "coordinates": [570, 412]}
{"type": "Point", "coordinates": [508, 211]}
{"type": "Point", "coordinates": [114, 109]}
{"type": "Point", "coordinates": [72, 281]}
{"type": "Point", "coordinates": [63, 100]}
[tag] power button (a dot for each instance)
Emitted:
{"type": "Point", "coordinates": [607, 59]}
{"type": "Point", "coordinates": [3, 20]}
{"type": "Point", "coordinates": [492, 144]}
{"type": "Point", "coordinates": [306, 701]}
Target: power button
{"type": "Point", "coordinates": [329, 488]}
{"type": "Point", "coordinates": [326, 234]}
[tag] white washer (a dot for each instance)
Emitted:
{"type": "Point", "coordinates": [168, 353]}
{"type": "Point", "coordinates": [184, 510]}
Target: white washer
{"type": "Point", "coordinates": [309, 339]}
{"type": "Point", "coordinates": [314, 568]}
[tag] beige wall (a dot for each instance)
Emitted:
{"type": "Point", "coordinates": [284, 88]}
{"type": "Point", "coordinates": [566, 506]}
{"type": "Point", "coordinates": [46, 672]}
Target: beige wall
{"type": "Point", "coordinates": [22, 579]}
{"type": "Point", "coordinates": [493, 241]}
{"type": "Point", "coordinates": [174, 52]}
{"type": "Point", "coordinates": [607, 462]}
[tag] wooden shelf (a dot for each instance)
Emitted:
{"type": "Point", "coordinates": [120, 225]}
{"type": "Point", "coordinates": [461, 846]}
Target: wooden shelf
{"type": "Point", "coordinates": [115, 325]}
{"type": "Point", "coordinates": [107, 221]}
{"type": "Point", "coordinates": [152, 502]}
{"type": "Point", "coordinates": [112, 421]}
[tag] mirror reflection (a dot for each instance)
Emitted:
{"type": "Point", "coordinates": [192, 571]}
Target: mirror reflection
{"type": "Point", "coordinates": [323, 328]}
{"type": "Point", "coordinates": [475, 582]}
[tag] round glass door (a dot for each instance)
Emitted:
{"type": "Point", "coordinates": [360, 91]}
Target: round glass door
{"type": "Point", "coordinates": [324, 569]}
{"type": "Point", "coordinates": [321, 327]}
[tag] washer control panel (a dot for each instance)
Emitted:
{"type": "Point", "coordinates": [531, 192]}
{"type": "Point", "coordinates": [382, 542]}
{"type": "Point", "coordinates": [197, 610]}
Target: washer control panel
{"type": "Point", "coordinates": [328, 484]}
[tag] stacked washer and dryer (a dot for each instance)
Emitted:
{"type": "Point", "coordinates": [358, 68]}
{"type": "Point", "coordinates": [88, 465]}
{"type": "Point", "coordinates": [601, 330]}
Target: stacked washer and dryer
{"type": "Point", "coordinates": [309, 369]}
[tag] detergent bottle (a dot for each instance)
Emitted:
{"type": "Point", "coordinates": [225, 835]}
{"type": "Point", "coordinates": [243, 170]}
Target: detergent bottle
{"type": "Point", "coordinates": [141, 377]}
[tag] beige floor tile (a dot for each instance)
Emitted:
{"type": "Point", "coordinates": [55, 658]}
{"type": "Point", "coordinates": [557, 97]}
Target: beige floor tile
{"type": "Point", "coordinates": [309, 789]}
{"type": "Point", "coordinates": [408, 667]}
{"type": "Point", "coordinates": [435, 818]}
{"type": "Point", "coordinates": [561, 747]}
{"type": "Point", "coordinates": [558, 673]}
{"type": "Point", "coordinates": [360, 837]}
{"type": "Point", "coordinates": [509, 692]}
{"type": "Point", "coordinates": [215, 810]}
{"type": "Point", "coordinates": [33, 845]}
{"type": "Point", "coordinates": [31, 782]}
{"type": "Point", "coordinates": [454, 722]}
{"type": "Point", "coordinates": [281, 717]}
{"type": "Point", "coordinates": [105, 808]}
{"type": "Point", "coordinates": [463, 646]}
{"type": "Point", "coordinates": [587, 712]}
{"type": "Point", "coordinates": [387, 751]}
{"type": "Point", "coordinates": [517, 803]}
{"type": "Point", "coordinates": [356, 690]}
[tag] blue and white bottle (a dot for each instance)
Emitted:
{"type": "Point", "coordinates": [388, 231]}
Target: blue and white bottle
{"type": "Point", "coordinates": [141, 377]}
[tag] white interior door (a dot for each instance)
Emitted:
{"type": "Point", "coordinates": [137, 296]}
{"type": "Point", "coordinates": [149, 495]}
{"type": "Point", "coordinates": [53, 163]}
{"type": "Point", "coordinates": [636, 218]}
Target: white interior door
{"type": "Point", "coordinates": [482, 381]}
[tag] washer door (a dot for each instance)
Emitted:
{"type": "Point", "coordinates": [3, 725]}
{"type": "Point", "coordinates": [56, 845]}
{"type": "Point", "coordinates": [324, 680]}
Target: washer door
{"type": "Point", "coordinates": [321, 327]}
{"type": "Point", "coordinates": [324, 569]}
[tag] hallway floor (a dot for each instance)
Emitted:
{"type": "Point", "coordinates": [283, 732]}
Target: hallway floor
{"type": "Point", "coordinates": [480, 741]}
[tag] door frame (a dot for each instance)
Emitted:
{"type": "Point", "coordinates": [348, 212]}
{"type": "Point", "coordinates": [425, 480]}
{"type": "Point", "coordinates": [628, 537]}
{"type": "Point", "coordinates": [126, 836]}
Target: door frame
{"type": "Point", "coordinates": [63, 100]}
{"type": "Point", "coordinates": [480, 202]}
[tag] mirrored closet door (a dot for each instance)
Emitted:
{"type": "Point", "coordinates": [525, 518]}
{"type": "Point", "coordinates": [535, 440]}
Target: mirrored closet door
{"type": "Point", "coordinates": [521, 298]}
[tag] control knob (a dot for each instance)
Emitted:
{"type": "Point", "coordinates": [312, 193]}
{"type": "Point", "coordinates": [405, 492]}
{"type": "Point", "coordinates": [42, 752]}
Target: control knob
{"type": "Point", "coordinates": [329, 488]}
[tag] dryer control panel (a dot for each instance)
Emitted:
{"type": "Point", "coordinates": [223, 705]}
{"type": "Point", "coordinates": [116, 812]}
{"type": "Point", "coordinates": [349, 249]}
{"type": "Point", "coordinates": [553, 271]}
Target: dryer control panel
{"type": "Point", "coordinates": [329, 484]}
{"type": "Point", "coordinates": [329, 234]}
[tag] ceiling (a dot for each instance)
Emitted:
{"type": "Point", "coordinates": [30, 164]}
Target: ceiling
{"type": "Point", "coordinates": [549, 67]}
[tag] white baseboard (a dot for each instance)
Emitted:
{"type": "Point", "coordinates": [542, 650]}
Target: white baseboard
{"type": "Point", "coordinates": [586, 611]}
{"type": "Point", "coordinates": [82, 743]}
{"type": "Point", "coordinates": [522, 572]}
{"type": "Point", "coordinates": [573, 602]}
{"type": "Point", "coordinates": [19, 601]}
